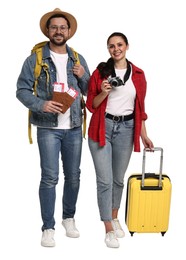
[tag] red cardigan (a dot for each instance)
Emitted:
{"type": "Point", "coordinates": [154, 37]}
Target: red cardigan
{"type": "Point", "coordinates": [96, 130]}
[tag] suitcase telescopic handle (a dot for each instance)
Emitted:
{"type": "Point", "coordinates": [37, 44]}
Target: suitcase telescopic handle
{"type": "Point", "coordinates": [144, 161]}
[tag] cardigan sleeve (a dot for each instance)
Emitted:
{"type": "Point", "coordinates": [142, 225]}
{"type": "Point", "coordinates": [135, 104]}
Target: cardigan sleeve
{"type": "Point", "coordinates": [92, 90]}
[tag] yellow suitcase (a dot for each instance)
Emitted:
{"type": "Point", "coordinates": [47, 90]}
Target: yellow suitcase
{"type": "Point", "coordinates": [148, 200]}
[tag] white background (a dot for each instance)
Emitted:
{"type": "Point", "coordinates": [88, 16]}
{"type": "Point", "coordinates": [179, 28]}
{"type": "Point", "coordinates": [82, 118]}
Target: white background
{"type": "Point", "coordinates": [156, 34]}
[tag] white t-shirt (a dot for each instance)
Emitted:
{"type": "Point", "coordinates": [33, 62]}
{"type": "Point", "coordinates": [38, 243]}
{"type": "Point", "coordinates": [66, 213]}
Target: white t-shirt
{"type": "Point", "coordinates": [60, 61]}
{"type": "Point", "coordinates": [121, 99]}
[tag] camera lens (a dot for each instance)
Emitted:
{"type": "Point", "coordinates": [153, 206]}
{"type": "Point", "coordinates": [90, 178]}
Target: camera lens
{"type": "Point", "coordinates": [114, 83]}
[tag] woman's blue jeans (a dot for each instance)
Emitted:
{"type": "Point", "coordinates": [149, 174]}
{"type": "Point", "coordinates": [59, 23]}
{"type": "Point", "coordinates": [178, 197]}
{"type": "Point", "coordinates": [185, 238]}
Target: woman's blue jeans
{"type": "Point", "coordinates": [111, 162]}
{"type": "Point", "coordinates": [53, 143]}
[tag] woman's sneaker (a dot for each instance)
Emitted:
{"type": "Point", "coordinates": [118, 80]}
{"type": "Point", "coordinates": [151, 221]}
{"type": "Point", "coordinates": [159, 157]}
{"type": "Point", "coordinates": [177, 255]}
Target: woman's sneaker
{"type": "Point", "coordinates": [111, 240]}
{"type": "Point", "coordinates": [117, 228]}
{"type": "Point", "coordinates": [47, 239]}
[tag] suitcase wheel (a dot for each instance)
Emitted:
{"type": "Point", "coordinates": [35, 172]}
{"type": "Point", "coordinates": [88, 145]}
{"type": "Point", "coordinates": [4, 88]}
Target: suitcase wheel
{"type": "Point", "coordinates": [132, 233]}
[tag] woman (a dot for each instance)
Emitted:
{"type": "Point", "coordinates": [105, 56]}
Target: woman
{"type": "Point", "coordinates": [116, 95]}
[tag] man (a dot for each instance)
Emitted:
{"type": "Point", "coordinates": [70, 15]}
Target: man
{"type": "Point", "coordinates": [57, 131]}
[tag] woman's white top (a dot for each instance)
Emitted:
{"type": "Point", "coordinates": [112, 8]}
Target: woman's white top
{"type": "Point", "coordinates": [121, 99]}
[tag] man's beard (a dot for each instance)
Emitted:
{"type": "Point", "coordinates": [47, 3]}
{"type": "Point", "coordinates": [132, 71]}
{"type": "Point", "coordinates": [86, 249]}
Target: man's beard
{"type": "Point", "coordinates": [58, 43]}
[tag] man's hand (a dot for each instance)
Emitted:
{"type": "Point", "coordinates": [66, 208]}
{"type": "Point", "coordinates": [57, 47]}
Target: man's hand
{"type": "Point", "coordinates": [78, 70]}
{"type": "Point", "coordinates": [52, 107]}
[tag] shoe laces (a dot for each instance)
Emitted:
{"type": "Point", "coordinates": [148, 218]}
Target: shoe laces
{"type": "Point", "coordinates": [111, 235]}
{"type": "Point", "coordinates": [71, 224]}
{"type": "Point", "coordinates": [49, 233]}
{"type": "Point", "coordinates": [116, 224]}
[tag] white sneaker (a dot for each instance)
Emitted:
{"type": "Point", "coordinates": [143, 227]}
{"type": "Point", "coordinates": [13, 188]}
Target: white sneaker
{"type": "Point", "coordinates": [70, 227]}
{"type": "Point", "coordinates": [48, 238]}
{"type": "Point", "coordinates": [117, 228]}
{"type": "Point", "coordinates": [111, 240]}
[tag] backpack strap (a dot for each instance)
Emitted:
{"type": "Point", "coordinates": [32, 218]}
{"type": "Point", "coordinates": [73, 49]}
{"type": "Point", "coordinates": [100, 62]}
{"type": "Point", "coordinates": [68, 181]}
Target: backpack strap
{"type": "Point", "coordinates": [83, 106]}
{"type": "Point", "coordinates": [37, 70]}
{"type": "Point", "coordinates": [39, 63]}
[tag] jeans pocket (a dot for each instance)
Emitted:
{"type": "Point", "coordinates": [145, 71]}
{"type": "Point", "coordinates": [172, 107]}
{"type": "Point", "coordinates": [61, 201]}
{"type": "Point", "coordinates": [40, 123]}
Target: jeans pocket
{"type": "Point", "coordinates": [129, 123]}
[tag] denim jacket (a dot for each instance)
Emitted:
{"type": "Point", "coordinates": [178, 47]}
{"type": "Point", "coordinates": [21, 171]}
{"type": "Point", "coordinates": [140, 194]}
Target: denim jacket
{"type": "Point", "coordinates": [34, 103]}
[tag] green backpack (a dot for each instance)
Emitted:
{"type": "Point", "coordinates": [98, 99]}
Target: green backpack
{"type": "Point", "coordinates": [37, 70]}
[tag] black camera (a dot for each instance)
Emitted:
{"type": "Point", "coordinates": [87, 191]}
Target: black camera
{"type": "Point", "coordinates": [115, 81]}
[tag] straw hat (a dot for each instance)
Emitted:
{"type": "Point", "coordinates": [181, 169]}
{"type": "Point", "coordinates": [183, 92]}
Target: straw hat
{"type": "Point", "coordinates": [70, 18]}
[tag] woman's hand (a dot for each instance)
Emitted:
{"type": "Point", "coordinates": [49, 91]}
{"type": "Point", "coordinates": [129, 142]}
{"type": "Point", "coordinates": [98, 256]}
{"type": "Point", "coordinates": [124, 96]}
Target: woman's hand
{"type": "Point", "coordinates": [147, 142]}
{"type": "Point", "coordinates": [145, 139]}
{"type": "Point", "coordinates": [105, 86]}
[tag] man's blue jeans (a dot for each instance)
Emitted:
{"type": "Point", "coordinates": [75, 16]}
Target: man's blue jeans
{"type": "Point", "coordinates": [111, 162]}
{"type": "Point", "coordinates": [53, 143]}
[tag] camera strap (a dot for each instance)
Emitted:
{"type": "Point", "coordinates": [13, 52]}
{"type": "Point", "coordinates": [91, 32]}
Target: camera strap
{"type": "Point", "coordinates": [127, 74]}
